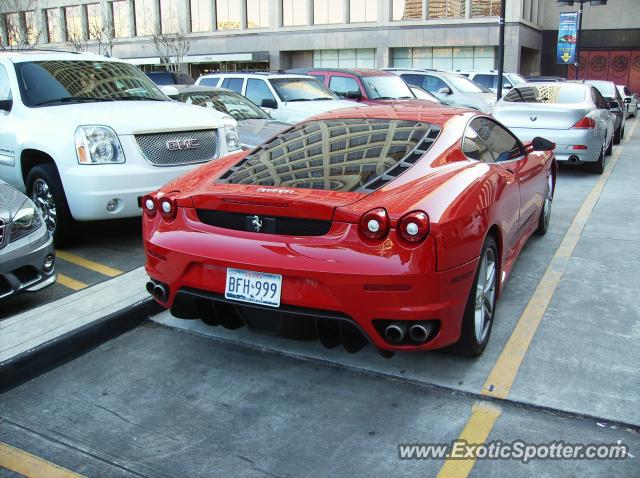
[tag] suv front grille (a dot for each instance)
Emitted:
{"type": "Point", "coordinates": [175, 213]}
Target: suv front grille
{"type": "Point", "coordinates": [285, 226]}
{"type": "Point", "coordinates": [2, 232]}
{"type": "Point", "coordinates": [180, 147]}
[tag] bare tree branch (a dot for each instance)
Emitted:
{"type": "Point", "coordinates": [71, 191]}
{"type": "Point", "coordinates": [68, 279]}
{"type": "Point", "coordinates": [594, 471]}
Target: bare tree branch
{"type": "Point", "coordinates": [21, 24]}
{"type": "Point", "coordinates": [172, 47]}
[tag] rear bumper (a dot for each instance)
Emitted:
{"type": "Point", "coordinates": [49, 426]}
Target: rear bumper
{"type": "Point", "coordinates": [336, 275]}
{"type": "Point", "coordinates": [566, 140]}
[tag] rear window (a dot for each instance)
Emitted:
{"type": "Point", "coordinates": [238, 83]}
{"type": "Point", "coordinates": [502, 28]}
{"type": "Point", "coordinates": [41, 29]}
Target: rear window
{"type": "Point", "coordinates": [161, 78]}
{"type": "Point", "coordinates": [558, 94]}
{"type": "Point", "coordinates": [336, 155]}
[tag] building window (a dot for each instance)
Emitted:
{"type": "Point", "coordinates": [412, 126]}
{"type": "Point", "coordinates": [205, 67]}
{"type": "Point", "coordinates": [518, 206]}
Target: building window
{"type": "Point", "coordinates": [469, 58]}
{"type": "Point", "coordinates": [12, 27]}
{"type": "Point", "coordinates": [169, 22]}
{"type": "Point", "coordinates": [73, 23]}
{"type": "Point", "coordinates": [200, 15]}
{"type": "Point", "coordinates": [485, 8]}
{"type": "Point", "coordinates": [351, 58]}
{"type": "Point", "coordinates": [363, 11]}
{"type": "Point", "coordinates": [228, 13]}
{"type": "Point", "coordinates": [53, 24]}
{"type": "Point", "coordinates": [257, 13]}
{"type": "Point", "coordinates": [120, 11]}
{"type": "Point", "coordinates": [408, 9]}
{"type": "Point", "coordinates": [447, 8]}
{"type": "Point", "coordinates": [293, 13]}
{"type": "Point", "coordinates": [327, 11]}
{"type": "Point", "coordinates": [144, 17]}
{"type": "Point", "coordinates": [94, 20]}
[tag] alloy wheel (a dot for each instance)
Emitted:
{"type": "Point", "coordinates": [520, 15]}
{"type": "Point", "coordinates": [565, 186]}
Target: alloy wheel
{"type": "Point", "coordinates": [548, 199]}
{"type": "Point", "coordinates": [43, 199]}
{"type": "Point", "coordinates": [485, 295]}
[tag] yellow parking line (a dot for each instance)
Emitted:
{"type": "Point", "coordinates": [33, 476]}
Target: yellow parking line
{"type": "Point", "coordinates": [498, 383]}
{"type": "Point", "coordinates": [70, 283]}
{"type": "Point", "coordinates": [477, 429]}
{"type": "Point", "coordinates": [30, 465]}
{"type": "Point", "coordinates": [87, 264]}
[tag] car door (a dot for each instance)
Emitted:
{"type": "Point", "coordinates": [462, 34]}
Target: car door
{"type": "Point", "coordinates": [258, 91]}
{"type": "Point", "coordinates": [346, 86]}
{"type": "Point", "coordinates": [8, 170]}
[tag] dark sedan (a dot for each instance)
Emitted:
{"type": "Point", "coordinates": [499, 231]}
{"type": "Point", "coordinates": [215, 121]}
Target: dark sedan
{"type": "Point", "coordinates": [616, 106]}
{"type": "Point", "coordinates": [254, 125]}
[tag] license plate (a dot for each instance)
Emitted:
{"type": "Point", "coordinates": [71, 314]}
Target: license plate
{"type": "Point", "coordinates": [254, 287]}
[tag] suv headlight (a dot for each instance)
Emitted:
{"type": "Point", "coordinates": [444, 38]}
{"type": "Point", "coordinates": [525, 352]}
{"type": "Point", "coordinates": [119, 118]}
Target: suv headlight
{"type": "Point", "coordinates": [98, 145]}
{"type": "Point", "coordinates": [26, 221]}
{"type": "Point", "coordinates": [230, 133]}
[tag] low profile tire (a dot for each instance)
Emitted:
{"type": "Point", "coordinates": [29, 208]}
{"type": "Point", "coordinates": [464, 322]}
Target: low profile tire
{"type": "Point", "coordinates": [622, 133]}
{"type": "Point", "coordinates": [478, 315]}
{"type": "Point", "coordinates": [597, 167]}
{"type": "Point", "coordinates": [609, 149]}
{"type": "Point", "coordinates": [45, 190]}
{"type": "Point", "coordinates": [545, 212]}
{"type": "Point", "coordinates": [616, 136]}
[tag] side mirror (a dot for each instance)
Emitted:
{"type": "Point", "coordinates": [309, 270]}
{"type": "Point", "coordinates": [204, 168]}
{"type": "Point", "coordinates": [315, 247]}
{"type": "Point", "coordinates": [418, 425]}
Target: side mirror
{"type": "Point", "coordinates": [627, 100]}
{"type": "Point", "coordinates": [269, 103]}
{"type": "Point", "coordinates": [6, 105]}
{"type": "Point", "coordinates": [353, 95]}
{"type": "Point", "coordinates": [507, 87]}
{"type": "Point", "coordinates": [539, 144]}
{"type": "Point", "coordinates": [445, 91]}
{"type": "Point", "coordinates": [171, 91]}
{"type": "Point", "coordinates": [613, 105]}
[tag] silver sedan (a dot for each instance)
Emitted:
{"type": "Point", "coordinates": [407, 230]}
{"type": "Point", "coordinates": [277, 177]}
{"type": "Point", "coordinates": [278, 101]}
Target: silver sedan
{"type": "Point", "coordinates": [27, 256]}
{"type": "Point", "coordinates": [575, 116]}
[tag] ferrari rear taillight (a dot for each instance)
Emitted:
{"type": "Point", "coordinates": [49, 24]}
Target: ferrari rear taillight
{"type": "Point", "coordinates": [375, 224]}
{"type": "Point", "coordinates": [414, 227]}
{"type": "Point", "coordinates": [168, 207]}
{"type": "Point", "coordinates": [585, 123]}
{"type": "Point", "coordinates": [149, 205]}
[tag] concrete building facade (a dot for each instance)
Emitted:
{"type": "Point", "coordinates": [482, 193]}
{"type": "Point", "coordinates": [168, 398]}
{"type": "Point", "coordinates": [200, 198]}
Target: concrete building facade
{"type": "Point", "coordinates": [281, 34]}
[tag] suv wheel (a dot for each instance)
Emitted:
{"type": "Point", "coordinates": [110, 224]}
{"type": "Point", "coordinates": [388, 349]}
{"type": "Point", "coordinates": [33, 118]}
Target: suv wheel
{"type": "Point", "coordinates": [45, 190]}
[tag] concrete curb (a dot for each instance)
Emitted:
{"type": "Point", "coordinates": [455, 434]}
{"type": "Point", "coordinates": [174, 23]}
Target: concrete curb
{"type": "Point", "coordinates": [55, 352]}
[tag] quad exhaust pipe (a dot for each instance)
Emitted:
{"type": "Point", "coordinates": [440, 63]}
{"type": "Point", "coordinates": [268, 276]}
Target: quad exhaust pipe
{"type": "Point", "coordinates": [395, 332]}
{"type": "Point", "coordinates": [418, 332]}
{"type": "Point", "coordinates": [158, 290]}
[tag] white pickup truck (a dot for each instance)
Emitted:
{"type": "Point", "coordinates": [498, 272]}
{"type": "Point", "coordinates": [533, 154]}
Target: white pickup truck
{"type": "Point", "coordinates": [86, 136]}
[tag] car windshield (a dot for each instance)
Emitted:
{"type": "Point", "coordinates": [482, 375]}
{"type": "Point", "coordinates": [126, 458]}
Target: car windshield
{"type": "Point", "coordinates": [387, 88]}
{"type": "Point", "coordinates": [226, 101]}
{"type": "Point", "coordinates": [336, 154]}
{"type": "Point", "coordinates": [517, 79]}
{"type": "Point", "coordinates": [558, 94]}
{"type": "Point", "coordinates": [55, 82]}
{"type": "Point", "coordinates": [301, 89]}
{"type": "Point", "coordinates": [423, 94]}
{"type": "Point", "coordinates": [465, 85]}
{"type": "Point", "coordinates": [604, 87]}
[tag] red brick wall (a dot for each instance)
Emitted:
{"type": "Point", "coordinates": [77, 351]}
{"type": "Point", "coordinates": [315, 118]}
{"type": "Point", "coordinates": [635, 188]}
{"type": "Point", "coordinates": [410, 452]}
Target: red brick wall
{"type": "Point", "coordinates": [621, 67]}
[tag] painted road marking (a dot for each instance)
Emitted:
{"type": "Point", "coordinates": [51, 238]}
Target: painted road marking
{"type": "Point", "coordinates": [30, 465]}
{"type": "Point", "coordinates": [500, 379]}
{"type": "Point", "coordinates": [88, 264]}
{"type": "Point", "coordinates": [70, 283]}
{"type": "Point", "coordinates": [483, 418]}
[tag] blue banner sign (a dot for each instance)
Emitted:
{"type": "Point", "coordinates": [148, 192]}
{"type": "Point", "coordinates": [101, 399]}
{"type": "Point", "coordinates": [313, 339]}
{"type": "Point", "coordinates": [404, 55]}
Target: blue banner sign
{"type": "Point", "coordinates": [567, 37]}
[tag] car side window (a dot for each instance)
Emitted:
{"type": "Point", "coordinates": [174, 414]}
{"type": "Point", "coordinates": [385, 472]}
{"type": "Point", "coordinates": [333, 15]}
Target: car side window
{"type": "Point", "coordinates": [432, 84]}
{"type": "Point", "coordinates": [488, 81]}
{"type": "Point", "coordinates": [343, 85]}
{"type": "Point", "coordinates": [320, 78]}
{"type": "Point", "coordinates": [502, 144]}
{"type": "Point", "coordinates": [259, 92]}
{"type": "Point", "coordinates": [209, 81]}
{"type": "Point", "coordinates": [5, 87]}
{"type": "Point", "coordinates": [627, 91]}
{"type": "Point", "coordinates": [415, 80]}
{"type": "Point", "coordinates": [234, 84]}
{"type": "Point", "coordinates": [601, 104]}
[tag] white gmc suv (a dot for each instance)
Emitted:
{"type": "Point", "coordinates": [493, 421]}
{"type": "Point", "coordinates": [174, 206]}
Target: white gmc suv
{"type": "Point", "coordinates": [86, 136]}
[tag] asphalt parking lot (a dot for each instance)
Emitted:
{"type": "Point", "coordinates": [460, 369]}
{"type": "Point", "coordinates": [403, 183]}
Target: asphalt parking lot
{"type": "Point", "coordinates": [179, 398]}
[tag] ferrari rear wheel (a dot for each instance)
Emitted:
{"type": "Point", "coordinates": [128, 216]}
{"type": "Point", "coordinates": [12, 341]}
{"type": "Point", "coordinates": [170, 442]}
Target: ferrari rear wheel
{"type": "Point", "coordinates": [545, 212]}
{"type": "Point", "coordinates": [478, 314]}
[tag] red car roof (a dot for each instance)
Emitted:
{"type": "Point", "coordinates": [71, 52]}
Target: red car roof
{"type": "Point", "coordinates": [438, 114]}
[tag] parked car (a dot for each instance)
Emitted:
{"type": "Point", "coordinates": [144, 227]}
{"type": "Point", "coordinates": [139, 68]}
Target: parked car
{"type": "Point", "coordinates": [254, 125]}
{"type": "Point", "coordinates": [361, 84]}
{"type": "Point", "coordinates": [27, 256]}
{"type": "Point", "coordinates": [162, 78]}
{"type": "Point", "coordinates": [573, 115]}
{"type": "Point", "coordinates": [630, 99]}
{"type": "Point", "coordinates": [86, 136]}
{"type": "Point", "coordinates": [450, 87]}
{"type": "Point", "coordinates": [616, 106]}
{"type": "Point", "coordinates": [286, 97]}
{"type": "Point", "coordinates": [544, 79]}
{"type": "Point", "coordinates": [414, 213]}
{"type": "Point", "coordinates": [489, 79]}
{"type": "Point", "coordinates": [422, 94]}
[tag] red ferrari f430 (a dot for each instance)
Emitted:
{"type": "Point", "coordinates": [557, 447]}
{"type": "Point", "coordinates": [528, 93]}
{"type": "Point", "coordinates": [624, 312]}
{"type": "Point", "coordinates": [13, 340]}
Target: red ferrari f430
{"type": "Point", "coordinates": [395, 225]}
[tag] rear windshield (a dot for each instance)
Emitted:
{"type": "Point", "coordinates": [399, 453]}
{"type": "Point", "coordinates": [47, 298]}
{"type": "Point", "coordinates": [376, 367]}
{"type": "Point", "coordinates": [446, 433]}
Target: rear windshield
{"type": "Point", "coordinates": [604, 87]}
{"type": "Point", "coordinates": [558, 94]}
{"type": "Point", "coordinates": [336, 155]}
